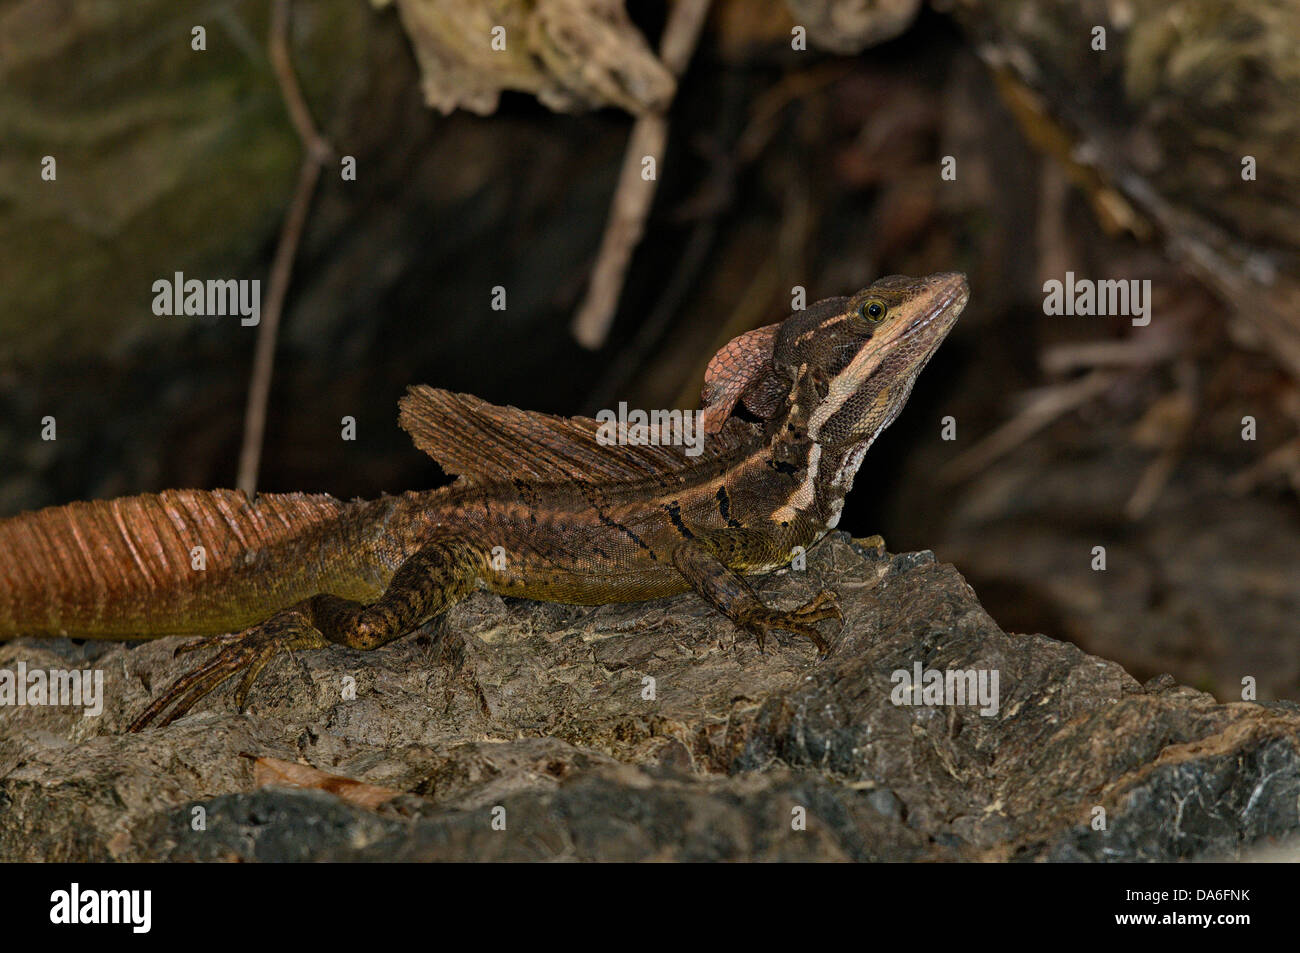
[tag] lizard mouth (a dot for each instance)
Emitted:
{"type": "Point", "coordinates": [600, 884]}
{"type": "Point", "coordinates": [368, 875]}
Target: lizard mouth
{"type": "Point", "coordinates": [954, 293]}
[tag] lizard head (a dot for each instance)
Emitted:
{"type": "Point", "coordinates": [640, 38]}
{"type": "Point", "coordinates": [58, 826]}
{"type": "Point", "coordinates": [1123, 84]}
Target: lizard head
{"type": "Point", "coordinates": [853, 368]}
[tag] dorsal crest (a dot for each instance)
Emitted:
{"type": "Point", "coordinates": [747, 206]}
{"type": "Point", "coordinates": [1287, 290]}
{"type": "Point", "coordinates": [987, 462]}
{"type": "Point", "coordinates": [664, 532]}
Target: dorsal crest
{"type": "Point", "coordinates": [486, 443]}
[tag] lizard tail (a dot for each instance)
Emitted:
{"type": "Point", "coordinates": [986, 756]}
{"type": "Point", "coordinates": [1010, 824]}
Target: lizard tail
{"type": "Point", "coordinates": [177, 562]}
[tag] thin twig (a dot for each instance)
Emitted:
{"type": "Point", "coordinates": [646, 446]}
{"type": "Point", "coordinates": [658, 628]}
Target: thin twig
{"type": "Point", "coordinates": [1043, 408]}
{"type": "Point", "coordinates": [259, 387]}
{"type": "Point", "coordinates": [1280, 461]}
{"type": "Point", "coordinates": [765, 116]}
{"type": "Point", "coordinates": [1268, 307]}
{"type": "Point", "coordinates": [1154, 479]}
{"type": "Point", "coordinates": [633, 196]}
{"type": "Point", "coordinates": [1168, 423]}
{"type": "Point", "coordinates": [318, 152]}
{"type": "Point", "coordinates": [282, 63]}
{"type": "Point", "coordinates": [1149, 350]}
{"type": "Point", "coordinates": [648, 335]}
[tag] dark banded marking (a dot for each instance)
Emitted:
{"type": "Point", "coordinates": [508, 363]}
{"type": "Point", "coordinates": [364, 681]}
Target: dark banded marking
{"type": "Point", "coordinates": [724, 507]}
{"type": "Point", "coordinates": [615, 524]}
{"type": "Point", "coordinates": [674, 511]}
{"type": "Point", "coordinates": [528, 495]}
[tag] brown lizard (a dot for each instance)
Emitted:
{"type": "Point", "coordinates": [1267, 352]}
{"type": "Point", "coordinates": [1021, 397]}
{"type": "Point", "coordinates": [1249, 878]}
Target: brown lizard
{"type": "Point", "coordinates": [543, 508]}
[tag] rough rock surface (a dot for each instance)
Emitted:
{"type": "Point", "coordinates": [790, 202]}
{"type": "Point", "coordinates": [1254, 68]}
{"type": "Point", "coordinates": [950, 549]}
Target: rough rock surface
{"type": "Point", "coordinates": [545, 711]}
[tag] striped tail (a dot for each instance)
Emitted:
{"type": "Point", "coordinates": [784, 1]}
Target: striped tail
{"type": "Point", "coordinates": [178, 562]}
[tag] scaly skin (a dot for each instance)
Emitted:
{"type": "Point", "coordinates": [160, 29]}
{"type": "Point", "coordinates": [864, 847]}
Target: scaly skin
{"type": "Point", "coordinates": [583, 524]}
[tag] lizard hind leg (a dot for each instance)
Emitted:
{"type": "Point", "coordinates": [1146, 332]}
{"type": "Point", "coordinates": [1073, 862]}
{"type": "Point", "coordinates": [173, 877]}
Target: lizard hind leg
{"type": "Point", "coordinates": [425, 586]}
{"type": "Point", "coordinates": [248, 651]}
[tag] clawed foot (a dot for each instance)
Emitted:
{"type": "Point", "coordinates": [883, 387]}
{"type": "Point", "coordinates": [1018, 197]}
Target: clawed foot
{"type": "Point", "coordinates": [248, 651]}
{"type": "Point", "coordinates": [800, 621]}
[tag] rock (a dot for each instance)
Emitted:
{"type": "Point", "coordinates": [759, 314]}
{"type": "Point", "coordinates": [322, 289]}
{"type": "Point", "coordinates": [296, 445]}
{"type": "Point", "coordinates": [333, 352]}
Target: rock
{"type": "Point", "coordinates": [641, 732]}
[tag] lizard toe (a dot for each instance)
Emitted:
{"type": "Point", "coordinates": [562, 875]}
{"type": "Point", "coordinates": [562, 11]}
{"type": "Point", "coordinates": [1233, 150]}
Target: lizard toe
{"type": "Point", "coordinates": [248, 651]}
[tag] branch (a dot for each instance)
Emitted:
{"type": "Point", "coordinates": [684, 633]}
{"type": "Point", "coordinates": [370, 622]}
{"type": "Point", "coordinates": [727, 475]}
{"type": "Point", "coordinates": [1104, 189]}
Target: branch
{"type": "Point", "coordinates": [318, 152]}
{"type": "Point", "coordinates": [634, 196]}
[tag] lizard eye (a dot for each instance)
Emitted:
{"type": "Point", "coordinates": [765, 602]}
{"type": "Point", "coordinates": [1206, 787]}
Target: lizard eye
{"type": "Point", "coordinates": [873, 310]}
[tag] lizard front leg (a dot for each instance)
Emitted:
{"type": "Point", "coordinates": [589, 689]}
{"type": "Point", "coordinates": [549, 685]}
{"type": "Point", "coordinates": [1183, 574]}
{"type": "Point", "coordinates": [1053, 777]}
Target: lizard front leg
{"type": "Point", "coordinates": [705, 562]}
{"type": "Point", "coordinates": [425, 586]}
